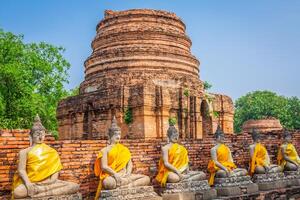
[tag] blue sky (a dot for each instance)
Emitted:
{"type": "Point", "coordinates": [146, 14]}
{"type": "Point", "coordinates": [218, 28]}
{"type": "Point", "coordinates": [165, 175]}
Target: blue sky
{"type": "Point", "coordinates": [242, 45]}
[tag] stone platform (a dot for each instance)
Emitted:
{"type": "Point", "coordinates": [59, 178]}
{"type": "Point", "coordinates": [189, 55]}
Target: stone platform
{"type": "Point", "coordinates": [137, 193]}
{"type": "Point", "coordinates": [76, 196]}
{"type": "Point", "coordinates": [293, 178]}
{"type": "Point", "coordinates": [235, 186]}
{"type": "Point", "coordinates": [188, 190]}
{"type": "Point", "coordinates": [270, 181]}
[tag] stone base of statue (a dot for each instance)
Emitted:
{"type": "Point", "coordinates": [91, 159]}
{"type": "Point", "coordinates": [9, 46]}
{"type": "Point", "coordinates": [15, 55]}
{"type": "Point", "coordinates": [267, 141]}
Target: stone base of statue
{"type": "Point", "coordinates": [124, 193]}
{"type": "Point", "coordinates": [188, 190]}
{"type": "Point", "coordinates": [270, 181]}
{"type": "Point", "coordinates": [293, 178]}
{"type": "Point", "coordinates": [76, 196]}
{"type": "Point", "coordinates": [234, 186]}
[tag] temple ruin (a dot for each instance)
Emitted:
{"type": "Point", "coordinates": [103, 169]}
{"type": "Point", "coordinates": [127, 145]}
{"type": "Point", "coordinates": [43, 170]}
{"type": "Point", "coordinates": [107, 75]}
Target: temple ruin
{"type": "Point", "coordinates": [142, 71]}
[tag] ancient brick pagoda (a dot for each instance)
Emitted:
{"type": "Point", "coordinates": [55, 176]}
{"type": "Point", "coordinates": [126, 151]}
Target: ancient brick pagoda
{"type": "Point", "coordinates": [142, 68]}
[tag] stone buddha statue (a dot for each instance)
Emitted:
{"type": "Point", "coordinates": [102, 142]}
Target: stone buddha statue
{"type": "Point", "coordinates": [113, 165]}
{"type": "Point", "coordinates": [288, 157]}
{"type": "Point", "coordinates": [38, 169]}
{"type": "Point", "coordinates": [221, 164]}
{"type": "Point", "coordinates": [260, 160]}
{"type": "Point", "coordinates": [174, 163]}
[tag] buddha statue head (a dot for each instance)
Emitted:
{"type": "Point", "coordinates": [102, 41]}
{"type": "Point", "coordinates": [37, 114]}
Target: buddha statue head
{"type": "Point", "coordinates": [172, 134]}
{"type": "Point", "coordinates": [219, 135]}
{"type": "Point", "coordinates": [255, 135]}
{"type": "Point", "coordinates": [37, 132]}
{"type": "Point", "coordinates": [287, 136]}
{"type": "Point", "coordinates": [114, 132]}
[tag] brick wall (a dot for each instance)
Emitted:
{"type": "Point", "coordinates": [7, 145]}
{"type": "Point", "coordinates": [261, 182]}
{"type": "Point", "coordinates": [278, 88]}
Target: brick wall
{"type": "Point", "coordinates": [78, 156]}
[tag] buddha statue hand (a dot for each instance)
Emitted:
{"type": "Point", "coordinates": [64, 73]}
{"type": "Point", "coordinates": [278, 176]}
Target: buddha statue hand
{"type": "Point", "coordinates": [181, 177]}
{"type": "Point", "coordinates": [118, 179]}
{"type": "Point", "coordinates": [267, 169]}
{"type": "Point", "coordinates": [47, 182]}
{"type": "Point", "coordinates": [31, 189]}
{"type": "Point", "coordinates": [228, 172]}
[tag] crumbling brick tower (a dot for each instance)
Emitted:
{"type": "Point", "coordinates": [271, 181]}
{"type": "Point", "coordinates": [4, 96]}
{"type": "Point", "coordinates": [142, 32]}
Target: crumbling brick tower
{"type": "Point", "coordinates": [142, 69]}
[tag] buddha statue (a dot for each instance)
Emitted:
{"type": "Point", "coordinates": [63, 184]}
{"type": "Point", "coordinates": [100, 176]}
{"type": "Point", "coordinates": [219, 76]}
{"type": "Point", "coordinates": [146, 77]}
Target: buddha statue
{"type": "Point", "coordinates": [288, 157]}
{"type": "Point", "coordinates": [221, 164]}
{"type": "Point", "coordinates": [260, 160]}
{"type": "Point", "coordinates": [113, 165]}
{"type": "Point", "coordinates": [38, 169]}
{"type": "Point", "coordinates": [174, 163]}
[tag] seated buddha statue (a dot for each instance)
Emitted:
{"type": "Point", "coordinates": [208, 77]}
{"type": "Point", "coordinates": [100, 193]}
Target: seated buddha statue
{"type": "Point", "coordinates": [259, 157]}
{"type": "Point", "coordinates": [221, 164]}
{"type": "Point", "coordinates": [113, 165]}
{"type": "Point", "coordinates": [38, 169]}
{"type": "Point", "coordinates": [288, 157]}
{"type": "Point", "coordinates": [174, 163]}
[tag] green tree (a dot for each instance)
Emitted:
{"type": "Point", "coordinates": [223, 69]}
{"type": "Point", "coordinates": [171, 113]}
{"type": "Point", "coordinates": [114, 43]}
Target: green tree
{"type": "Point", "coordinates": [265, 104]}
{"type": "Point", "coordinates": [207, 85]}
{"type": "Point", "coordinates": [73, 92]}
{"type": "Point", "coordinates": [31, 81]}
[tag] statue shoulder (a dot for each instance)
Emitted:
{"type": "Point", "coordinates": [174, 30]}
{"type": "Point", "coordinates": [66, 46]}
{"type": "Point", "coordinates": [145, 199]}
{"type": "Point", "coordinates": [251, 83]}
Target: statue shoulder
{"type": "Point", "coordinates": [165, 147]}
{"type": "Point", "coordinates": [24, 152]}
{"type": "Point", "coordinates": [252, 146]}
{"type": "Point", "coordinates": [105, 150]}
{"type": "Point", "coordinates": [214, 149]}
{"type": "Point", "coordinates": [283, 146]}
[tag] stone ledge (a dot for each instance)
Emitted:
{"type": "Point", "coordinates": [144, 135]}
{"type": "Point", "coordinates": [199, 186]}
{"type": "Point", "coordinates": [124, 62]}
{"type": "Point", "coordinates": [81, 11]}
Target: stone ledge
{"type": "Point", "coordinates": [249, 189]}
{"type": "Point", "coordinates": [129, 193]}
{"type": "Point", "coordinates": [76, 196]}
{"type": "Point", "coordinates": [204, 195]}
{"type": "Point", "coordinates": [270, 181]}
{"type": "Point", "coordinates": [186, 186]}
{"type": "Point", "coordinates": [292, 178]}
{"type": "Point", "coordinates": [232, 181]}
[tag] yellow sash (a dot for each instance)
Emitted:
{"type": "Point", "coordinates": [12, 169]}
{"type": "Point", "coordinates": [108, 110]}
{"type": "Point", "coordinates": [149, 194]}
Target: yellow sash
{"type": "Point", "coordinates": [291, 152]}
{"type": "Point", "coordinates": [178, 157]}
{"type": "Point", "coordinates": [223, 157]}
{"type": "Point", "coordinates": [258, 158]}
{"type": "Point", "coordinates": [117, 159]}
{"type": "Point", "coordinates": [42, 162]}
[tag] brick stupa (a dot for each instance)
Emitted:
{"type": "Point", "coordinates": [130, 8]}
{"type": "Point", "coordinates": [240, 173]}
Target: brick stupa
{"type": "Point", "coordinates": [141, 67]}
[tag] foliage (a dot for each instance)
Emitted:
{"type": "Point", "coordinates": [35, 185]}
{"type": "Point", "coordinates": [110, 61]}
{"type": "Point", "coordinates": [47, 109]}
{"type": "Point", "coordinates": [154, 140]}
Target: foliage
{"type": "Point", "coordinates": [31, 81]}
{"type": "Point", "coordinates": [186, 92]}
{"type": "Point", "coordinates": [216, 114]}
{"type": "Point", "coordinates": [266, 104]}
{"type": "Point", "coordinates": [207, 85]}
{"type": "Point", "coordinates": [172, 121]}
{"type": "Point", "coordinates": [128, 117]}
{"type": "Point", "coordinates": [73, 92]}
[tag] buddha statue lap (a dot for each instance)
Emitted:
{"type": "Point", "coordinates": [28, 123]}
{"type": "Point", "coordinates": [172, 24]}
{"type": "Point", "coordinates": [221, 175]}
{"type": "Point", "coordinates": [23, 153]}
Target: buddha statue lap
{"type": "Point", "coordinates": [38, 170]}
{"type": "Point", "coordinates": [268, 176]}
{"type": "Point", "coordinates": [289, 160]}
{"type": "Point", "coordinates": [174, 174]}
{"type": "Point", "coordinates": [114, 168]}
{"type": "Point", "coordinates": [224, 174]}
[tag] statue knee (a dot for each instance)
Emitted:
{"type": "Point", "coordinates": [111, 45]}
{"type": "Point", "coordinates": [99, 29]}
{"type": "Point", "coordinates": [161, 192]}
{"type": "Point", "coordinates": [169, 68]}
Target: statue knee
{"type": "Point", "coordinates": [221, 174]}
{"type": "Point", "coordinates": [275, 169]}
{"type": "Point", "coordinates": [290, 167]}
{"type": "Point", "coordinates": [146, 180]}
{"type": "Point", "coordinates": [202, 175]}
{"type": "Point", "coordinates": [260, 170]}
{"type": "Point", "coordinates": [243, 172]}
{"type": "Point", "coordinates": [173, 178]}
{"type": "Point", "coordinates": [73, 186]}
{"type": "Point", "coordinates": [109, 183]}
{"type": "Point", "coordinates": [20, 192]}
